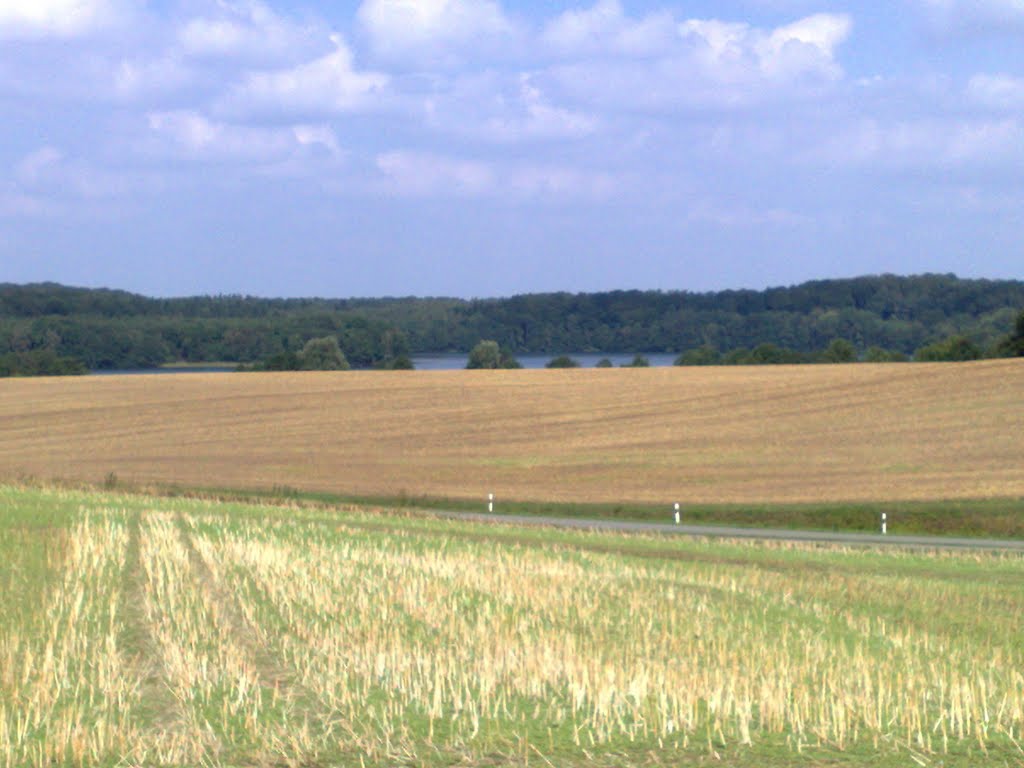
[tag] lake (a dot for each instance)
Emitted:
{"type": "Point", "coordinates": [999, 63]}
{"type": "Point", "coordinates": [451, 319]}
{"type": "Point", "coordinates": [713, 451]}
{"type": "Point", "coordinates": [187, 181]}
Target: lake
{"type": "Point", "coordinates": [447, 361]}
{"type": "Point", "coordinates": [454, 361]}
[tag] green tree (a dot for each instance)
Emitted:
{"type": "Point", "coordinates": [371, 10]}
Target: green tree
{"type": "Point", "coordinates": [879, 355]}
{"type": "Point", "coordinates": [282, 361]}
{"type": "Point", "coordinates": [485, 355]}
{"type": "Point", "coordinates": [604, 362]}
{"type": "Point", "coordinates": [401, 363]}
{"type": "Point", "coordinates": [771, 354]}
{"type": "Point", "coordinates": [954, 349]}
{"type": "Point", "coordinates": [839, 351]}
{"type": "Point", "coordinates": [323, 354]}
{"type": "Point", "coordinates": [705, 355]}
{"type": "Point", "coordinates": [1013, 345]}
{"type": "Point", "coordinates": [638, 361]}
{"type": "Point", "coordinates": [562, 361]}
{"type": "Point", "coordinates": [488, 355]}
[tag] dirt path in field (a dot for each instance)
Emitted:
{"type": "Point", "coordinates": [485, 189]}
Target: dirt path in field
{"type": "Point", "coordinates": [158, 710]}
{"type": "Point", "coordinates": [278, 678]}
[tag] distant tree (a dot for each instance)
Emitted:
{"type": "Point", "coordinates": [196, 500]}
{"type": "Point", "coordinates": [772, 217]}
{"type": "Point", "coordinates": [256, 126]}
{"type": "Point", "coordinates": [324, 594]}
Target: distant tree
{"type": "Point", "coordinates": [738, 356]}
{"type": "Point", "coordinates": [401, 363]}
{"type": "Point", "coordinates": [770, 354]}
{"type": "Point", "coordinates": [562, 361]}
{"type": "Point", "coordinates": [954, 349]}
{"type": "Point", "coordinates": [282, 361]}
{"type": "Point", "coordinates": [323, 354]}
{"type": "Point", "coordinates": [638, 361]}
{"type": "Point", "coordinates": [879, 355]}
{"type": "Point", "coordinates": [705, 355]}
{"type": "Point", "coordinates": [839, 351]}
{"type": "Point", "coordinates": [604, 362]}
{"type": "Point", "coordinates": [488, 355]}
{"type": "Point", "coordinates": [40, 362]}
{"type": "Point", "coordinates": [1013, 345]}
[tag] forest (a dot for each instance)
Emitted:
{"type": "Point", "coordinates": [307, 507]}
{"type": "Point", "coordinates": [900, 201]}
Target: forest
{"type": "Point", "coordinates": [73, 329]}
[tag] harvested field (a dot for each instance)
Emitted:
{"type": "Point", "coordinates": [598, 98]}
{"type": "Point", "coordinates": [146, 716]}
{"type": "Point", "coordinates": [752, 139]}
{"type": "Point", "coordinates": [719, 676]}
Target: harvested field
{"type": "Point", "coordinates": [176, 632]}
{"type": "Point", "coordinates": [752, 434]}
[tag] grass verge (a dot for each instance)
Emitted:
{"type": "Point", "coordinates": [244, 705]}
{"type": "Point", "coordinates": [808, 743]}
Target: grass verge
{"type": "Point", "coordinates": [980, 518]}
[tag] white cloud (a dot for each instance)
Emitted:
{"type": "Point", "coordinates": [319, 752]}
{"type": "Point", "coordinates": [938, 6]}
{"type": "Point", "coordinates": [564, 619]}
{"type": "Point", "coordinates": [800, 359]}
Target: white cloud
{"type": "Point", "coordinates": [46, 177]}
{"type": "Point", "coordinates": [194, 135]}
{"type": "Point", "coordinates": [144, 76]}
{"type": "Point", "coordinates": [927, 144]}
{"type": "Point", "coordinates": [739, 52]}
{"type": "Point", "coordinates": [432, 29]}
{"type": "Point", "coordinates": [58, 18]}
{"type": "Point", "coordinates": [1001, 92]}
{"type": "Point", "coordinates": [973, 16]}
{"type": "Point", "coordinates": [553, 182]}
{"type": "Point", "coordinates": [37, 165]}
{"type": "Point", "coordinates": [499, 108]}
{"type": "Point", "coordinates": [604, 28]}
{"type": "Point", "coordinates": [419, 174]}
{"type": "Point", "coordinates": [719, 214]}
{"type": "Point", "coordinates": [326, 85]}
{"type": "Point", "coordinates": [659, 62]}
{"type": "Point", "coordinates": [246, 28]}
{"type": "Point", "coordinates": [536, 118]}
{"type": "Point", "coordinates": [16, 204]}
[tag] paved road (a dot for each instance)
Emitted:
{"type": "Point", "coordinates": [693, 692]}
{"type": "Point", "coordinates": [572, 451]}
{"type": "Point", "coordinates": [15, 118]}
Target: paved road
{"type": "Point", "coordinates": [764, 534]}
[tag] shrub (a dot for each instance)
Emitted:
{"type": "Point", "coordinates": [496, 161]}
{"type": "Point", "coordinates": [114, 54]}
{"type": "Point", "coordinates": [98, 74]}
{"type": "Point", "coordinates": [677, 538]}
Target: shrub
{"type": "Point", "coordinates": [706, 355]}
{"type": "Point", "coordinates": [879, 355]}
{"type": "Point", "coordinates": [953, 349]}
{"type": "Point", "coordinates": [562, 361]}
{"type": "Point", "coordinates": [488, 355]}
{"type": "Point", "coordinates": [839, 351]}
{"type": "Point", "coordinates": [323, 354]}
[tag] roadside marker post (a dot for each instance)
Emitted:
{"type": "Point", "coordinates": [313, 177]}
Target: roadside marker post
{"type": "Point", "coordinates": [885, 524]}
{"type": "Point", "coordinates": [490, 503]}
{"type": "Point", "coordinates": [677, 513]}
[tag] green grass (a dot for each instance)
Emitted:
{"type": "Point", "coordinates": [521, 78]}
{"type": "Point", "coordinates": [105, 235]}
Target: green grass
{"type": "Point", "coordinates": [981, 518]}
{"type": "Point", "coordinates": [181, 631]}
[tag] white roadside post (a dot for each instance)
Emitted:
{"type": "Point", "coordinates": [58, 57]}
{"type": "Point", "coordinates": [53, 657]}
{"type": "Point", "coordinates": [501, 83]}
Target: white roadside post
{"type": "Point", "coordinates": [490, 503]}
{"type": "Point", "coordinates": [677, 513]}
{"type": "Point", "coordinates": [885, 524]}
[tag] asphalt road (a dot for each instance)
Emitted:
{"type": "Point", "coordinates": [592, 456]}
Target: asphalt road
{"type": "Point", "coordinates": [764, 534]}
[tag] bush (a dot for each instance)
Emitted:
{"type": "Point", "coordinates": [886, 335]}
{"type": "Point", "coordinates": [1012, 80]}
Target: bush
{"type": "Point", "coordinates": [562, 361]}
{"type": "Point", "coordinates": [488, 355]}
{"type": "Point", "coordinates": [40, 362]}
{"type": "Point", "coordinates": [604, 362]}
{"type": "Point", "coordinates": [879, 355]}
{"type": "Point", "coordinates": [839, 351]}
{"type": "Point", "coordinates": [323, 354]}
{"type": "Point", "coordinates": [705, 355]}
{"type": "Point", "coordinates": [1012, 345]}
{"type": "Point", "coordinates": [401, 363]}
{"type": "Point", "coordinates": [954, 349]}
{"type": "Point", "coordinates": [639, 361]}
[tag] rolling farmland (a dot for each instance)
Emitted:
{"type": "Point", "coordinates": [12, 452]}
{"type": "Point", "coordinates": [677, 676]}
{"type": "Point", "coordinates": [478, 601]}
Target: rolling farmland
{"type": "Point", "coordinates": [746, 435]}
{"type": "Point", "coordinates": [147, 631]}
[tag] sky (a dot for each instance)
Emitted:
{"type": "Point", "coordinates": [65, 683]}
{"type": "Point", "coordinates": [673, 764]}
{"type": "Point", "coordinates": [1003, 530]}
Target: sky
{"type": "Point", "coordinates": [480, 148]}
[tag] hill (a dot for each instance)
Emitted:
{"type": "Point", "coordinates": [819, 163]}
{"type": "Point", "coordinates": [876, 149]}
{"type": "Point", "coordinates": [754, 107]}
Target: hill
{"type": "Point", "coordinates": [109, 329]}
{"type": "Point", "coordinates": [824, 433]}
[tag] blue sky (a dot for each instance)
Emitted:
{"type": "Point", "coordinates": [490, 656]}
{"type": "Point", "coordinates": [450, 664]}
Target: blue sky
{"type": "Point", "coordinates": [481, 148]}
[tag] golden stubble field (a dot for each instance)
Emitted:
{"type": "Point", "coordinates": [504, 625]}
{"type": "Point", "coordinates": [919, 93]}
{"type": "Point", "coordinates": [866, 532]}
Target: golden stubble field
{"type": "Point", "coordinates": [747, 434]}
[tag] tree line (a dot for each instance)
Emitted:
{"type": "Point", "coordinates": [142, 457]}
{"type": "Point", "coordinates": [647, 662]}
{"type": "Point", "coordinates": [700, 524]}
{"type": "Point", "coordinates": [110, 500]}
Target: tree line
{"type": "Point", "coordinates": [49, 327]}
